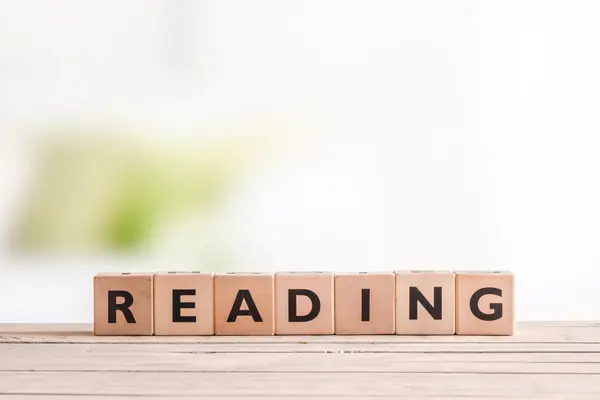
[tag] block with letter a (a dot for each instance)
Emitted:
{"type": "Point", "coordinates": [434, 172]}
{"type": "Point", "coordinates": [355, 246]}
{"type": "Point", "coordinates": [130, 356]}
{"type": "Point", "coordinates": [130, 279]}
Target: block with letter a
{"type": "Point", "coordinates": [244, 304]}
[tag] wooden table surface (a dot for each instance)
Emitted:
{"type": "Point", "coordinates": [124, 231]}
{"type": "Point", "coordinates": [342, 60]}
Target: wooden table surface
{"type": "Point", "coordinates": [541, 361]}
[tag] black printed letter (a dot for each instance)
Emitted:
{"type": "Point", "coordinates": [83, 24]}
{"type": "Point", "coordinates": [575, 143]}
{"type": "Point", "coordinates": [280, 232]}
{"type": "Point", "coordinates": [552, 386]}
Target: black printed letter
{"type": "Point", "coordinates": [123, 307]}
{"type": "Point", "coordinates": [178, 305]}
{"type": "Point", "coordinates": [237, 304]}
{"type": "Point", "coordinates": [365, 314]}
{"type": "Point", "coordinates": [415, 296]}
{"type": "Point", "coordinates": [496, 307]}
{"type": "Point", "coordinates": [293, 309]}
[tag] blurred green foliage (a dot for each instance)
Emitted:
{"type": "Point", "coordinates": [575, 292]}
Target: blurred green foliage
{"type": "Point", "coordinates": [113, 191]}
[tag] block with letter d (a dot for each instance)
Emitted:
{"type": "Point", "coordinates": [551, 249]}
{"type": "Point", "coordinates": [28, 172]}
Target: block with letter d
{"type": "Point", "coordinates": [304, 303]}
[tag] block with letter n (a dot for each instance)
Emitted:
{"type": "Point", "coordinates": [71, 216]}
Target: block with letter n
{"type": "Point", "coordinates": [425, 303]}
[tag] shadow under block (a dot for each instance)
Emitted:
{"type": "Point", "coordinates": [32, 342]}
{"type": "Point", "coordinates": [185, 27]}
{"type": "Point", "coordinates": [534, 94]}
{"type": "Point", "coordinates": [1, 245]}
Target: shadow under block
{"type": "Point", "coordinates": [244, 304]}
{"type": "Point", "coordinates": [304, 303]}
{"type": "Point", "coordinates": [484, 303]}
{"type": "Point", "coordinates": [183, 303]}
{"type": "Point", "coordinates": [123, 304]}
{"type": "Point", "coordinates": [364, 303]}
{"type": "Point", "coordinates": [425, 303]}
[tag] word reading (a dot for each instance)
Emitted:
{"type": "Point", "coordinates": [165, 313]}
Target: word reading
{"type": "Point", "coordinates": [305, 303]}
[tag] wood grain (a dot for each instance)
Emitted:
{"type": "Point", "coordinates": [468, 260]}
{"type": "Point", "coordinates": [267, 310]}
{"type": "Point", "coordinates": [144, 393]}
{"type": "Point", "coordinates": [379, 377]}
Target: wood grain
{"type": "Point", "coordinates": [541, 361]}
{"type": "Point", "coordinates": [294, 384]}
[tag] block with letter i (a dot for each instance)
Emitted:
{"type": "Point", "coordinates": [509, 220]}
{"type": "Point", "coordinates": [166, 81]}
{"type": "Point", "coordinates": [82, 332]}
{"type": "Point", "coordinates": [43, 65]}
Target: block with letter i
{"type": "Point", "coordinates": [123, 304]}
{"type": "Point", "coordinates": [425, 303]}
{"type": "Point", "coordinates": [304, 303]}
{"type": "Point", "coordinates": [364, 303]}
{"type": "Point", "coordinates": [183, 303]}
{"type": "Point", "coordinates": [484, 303]}
{"type": "Point", "coordinates": [244, 304]}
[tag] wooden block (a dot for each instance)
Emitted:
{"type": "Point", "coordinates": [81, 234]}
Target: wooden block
{"type": "Point", "coordinates": [244, 304]}
{"type": "Point", "coordinates": [484, 303]}
{"type": "Point", "coordinates": [123, 304]}
{"type": "Point", "coordinates": [425, 303]}
{"type": "Point", "coordinates": [183, 303]}
{"type": "Point", "coordinates": [304, 303]}
{"type": "Point", "coordinates": [364, 303]}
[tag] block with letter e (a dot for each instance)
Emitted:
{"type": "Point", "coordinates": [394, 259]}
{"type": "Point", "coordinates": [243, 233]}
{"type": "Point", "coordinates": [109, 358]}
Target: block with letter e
{"type": "Point", "coordinates": [183, 303]}
{"type": "Point", "coordinates": [484, 303]}
{"type": "Point", "coordinates": [123, 304]}
{"type": "Point", "coordinates": [425, 303]}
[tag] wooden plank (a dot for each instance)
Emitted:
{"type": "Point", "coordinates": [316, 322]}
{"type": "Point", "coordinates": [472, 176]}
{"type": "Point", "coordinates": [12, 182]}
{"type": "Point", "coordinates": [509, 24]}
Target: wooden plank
{"type": "Point", "coordinates": [122, 358]}
{"type": "Point", "coordinates": [300, 363]}
{"type": "Point", "coordinates": [300, 396]}
{"type": "Point", "coordinates": [324, 348]}
{"type": "Point", "coordinates": [31, 352]}
{"type": "Point", "coordinates": [295, 384]}
{"type": "Point", "coordinates": [527, 332]}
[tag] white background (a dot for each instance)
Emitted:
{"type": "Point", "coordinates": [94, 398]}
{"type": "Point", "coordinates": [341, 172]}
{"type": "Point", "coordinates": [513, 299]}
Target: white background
{"type": "Point", "coordinates": [454, 135]}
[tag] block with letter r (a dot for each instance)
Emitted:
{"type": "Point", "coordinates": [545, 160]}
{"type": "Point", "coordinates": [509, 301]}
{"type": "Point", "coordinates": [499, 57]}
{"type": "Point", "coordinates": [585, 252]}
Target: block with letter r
{"type": "Point", "coordinates": [123, 304]}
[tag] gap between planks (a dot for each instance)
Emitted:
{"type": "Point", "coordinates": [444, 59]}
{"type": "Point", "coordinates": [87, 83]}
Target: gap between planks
{"type": "Point", "coordinates": [318, 348]}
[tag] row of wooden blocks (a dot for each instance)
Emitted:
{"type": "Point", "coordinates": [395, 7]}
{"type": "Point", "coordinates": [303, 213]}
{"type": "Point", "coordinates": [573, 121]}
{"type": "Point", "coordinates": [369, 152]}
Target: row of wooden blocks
{"type": "Point", "coordinates": [304, 303]}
